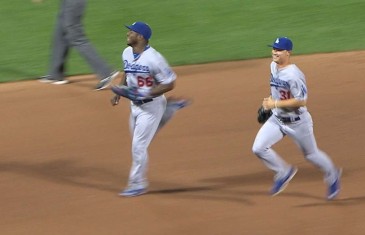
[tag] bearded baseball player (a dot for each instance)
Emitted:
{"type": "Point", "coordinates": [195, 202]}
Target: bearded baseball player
{"type": "Point", "coordinates": [288, 115]}
{"type": "Point", "coordinates": [148, 77]}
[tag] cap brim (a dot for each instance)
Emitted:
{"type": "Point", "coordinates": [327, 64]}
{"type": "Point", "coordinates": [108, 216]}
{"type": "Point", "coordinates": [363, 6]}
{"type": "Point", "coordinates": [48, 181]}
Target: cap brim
{"type": "Point", "coordinates": [272, 46]}
{"type": "Point", "coordinates": [130, 27]}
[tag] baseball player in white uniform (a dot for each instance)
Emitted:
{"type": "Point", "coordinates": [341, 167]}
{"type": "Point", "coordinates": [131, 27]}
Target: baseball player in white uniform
{"type": "Point", "coordinates": [290, 117]}
{"type": "Point", "coordinates": [148, 76]}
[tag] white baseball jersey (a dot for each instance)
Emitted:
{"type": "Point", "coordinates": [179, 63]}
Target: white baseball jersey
{"type": "Point", "coordinates": [286, 83]}
{"type": "Point", "coordinates": [147, 69]}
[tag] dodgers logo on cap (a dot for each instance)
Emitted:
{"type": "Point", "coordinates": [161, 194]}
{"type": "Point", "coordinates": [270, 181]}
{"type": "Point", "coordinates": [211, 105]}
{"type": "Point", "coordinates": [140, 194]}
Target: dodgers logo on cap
{"type": "Point", "coordinates": [282, 43]}
{"type": "Point", "coordinates": [141, 28]}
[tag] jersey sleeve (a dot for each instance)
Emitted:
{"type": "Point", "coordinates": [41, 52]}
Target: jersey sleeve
{"type": "Point", "coordinates": [162, 72]}
{"type": "Point", "coordinates": [298, 88]}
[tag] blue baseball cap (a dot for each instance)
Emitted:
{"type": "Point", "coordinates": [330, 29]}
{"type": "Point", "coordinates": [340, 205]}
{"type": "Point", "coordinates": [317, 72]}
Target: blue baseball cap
{"type": "Point", "coordinates": [141, 28]}
{"type": "Point", "coordinates": [282, 43]}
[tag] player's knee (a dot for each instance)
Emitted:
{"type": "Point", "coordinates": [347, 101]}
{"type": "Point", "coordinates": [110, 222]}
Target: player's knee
{"type": "Point", "coordinates": [257, 149]}
{"type": "Point", "coordinates": [75, 37]}
{"type": "Point", "coordinates": [311, 157]}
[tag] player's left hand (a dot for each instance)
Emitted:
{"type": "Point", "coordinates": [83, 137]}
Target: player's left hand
{"type": "Point", "coordinates": [263, 115]}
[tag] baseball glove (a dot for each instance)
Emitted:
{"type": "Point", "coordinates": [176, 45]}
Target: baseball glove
{"type": "Point", "coordinates": [127, 92]}
{"type": "Point", "coordinates": [263, 115]}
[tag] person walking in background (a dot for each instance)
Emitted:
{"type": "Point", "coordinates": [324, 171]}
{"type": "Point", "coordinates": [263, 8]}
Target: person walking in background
{"type": "Point", "coordinates": [290, 117]}
{"type": "Point", "coordinates": [69, 33]}
{"type": "Point", "coordinates": [147, 78]}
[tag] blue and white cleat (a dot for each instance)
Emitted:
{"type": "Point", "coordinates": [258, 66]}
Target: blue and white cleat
{"type": "Point", "coordinates": [334, 188]}
{"type": "Point", "coordinates": [179, 103]}
{"type": "Point", "coordinates": [131, 192]}
{"type": "Point", "coordinates": [280, 184]}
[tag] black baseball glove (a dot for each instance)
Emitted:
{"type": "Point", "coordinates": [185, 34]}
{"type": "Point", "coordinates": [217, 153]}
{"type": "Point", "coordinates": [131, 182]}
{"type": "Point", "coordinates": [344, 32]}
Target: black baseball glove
{"type": "Point", "coordinates": [263, 115]}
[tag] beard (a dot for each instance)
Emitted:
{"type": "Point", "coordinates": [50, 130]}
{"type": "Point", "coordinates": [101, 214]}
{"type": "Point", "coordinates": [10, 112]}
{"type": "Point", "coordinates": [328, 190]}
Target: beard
{"type": "Point", "coordinates": [131, 42]}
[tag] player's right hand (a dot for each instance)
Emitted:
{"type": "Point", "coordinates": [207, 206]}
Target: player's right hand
{"type": "Point", "coordinates": [115, 100]}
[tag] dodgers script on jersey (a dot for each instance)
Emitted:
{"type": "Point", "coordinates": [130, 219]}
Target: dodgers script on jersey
{"type": "Point", "coordinates": [286, 83]}
{"type": "Point", "coordinates": [147, 69]}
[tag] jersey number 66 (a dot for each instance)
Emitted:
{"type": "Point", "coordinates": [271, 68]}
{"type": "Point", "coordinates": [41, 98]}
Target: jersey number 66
{"type": "Point", "coordinates": [145, 81]}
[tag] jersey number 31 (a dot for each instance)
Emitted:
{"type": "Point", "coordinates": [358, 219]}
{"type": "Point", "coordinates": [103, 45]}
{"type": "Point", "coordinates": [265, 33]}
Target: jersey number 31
{"type": "Point", "coordinates": [284, 95]}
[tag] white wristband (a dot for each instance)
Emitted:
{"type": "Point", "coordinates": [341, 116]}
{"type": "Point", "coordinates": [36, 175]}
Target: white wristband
{"type": "Point", "coordinates": [276, 104]}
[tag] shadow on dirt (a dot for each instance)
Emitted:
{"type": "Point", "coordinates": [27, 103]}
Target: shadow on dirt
{"type": "Point", "coordinates": [65, 172]}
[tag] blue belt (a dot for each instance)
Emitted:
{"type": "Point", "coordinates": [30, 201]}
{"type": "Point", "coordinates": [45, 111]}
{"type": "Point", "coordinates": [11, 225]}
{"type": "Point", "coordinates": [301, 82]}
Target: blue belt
{"type": "Point", "coordinates": [288, 119]}
{"type": "Point", "coordinates": [140, 102]}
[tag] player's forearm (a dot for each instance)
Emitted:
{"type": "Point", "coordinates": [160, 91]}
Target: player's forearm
{"type": "Point", "coordinates": [289, 103]}
{"type": "Point", "coordinates": [161, 89]}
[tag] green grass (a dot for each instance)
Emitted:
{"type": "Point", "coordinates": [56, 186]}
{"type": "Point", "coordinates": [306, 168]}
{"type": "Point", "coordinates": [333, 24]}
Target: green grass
{"type": "Point", "coordinates": [185, 32]}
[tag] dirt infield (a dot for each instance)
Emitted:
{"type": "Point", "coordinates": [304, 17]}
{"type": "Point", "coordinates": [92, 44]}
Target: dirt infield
{"type": "Point", "coordinates": [65, 154]}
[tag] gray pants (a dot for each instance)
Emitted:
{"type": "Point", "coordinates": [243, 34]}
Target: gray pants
{"type": "Point", "coordinates": [69, 32]}
{"type": "Point", "coordinates": [302, 133]}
